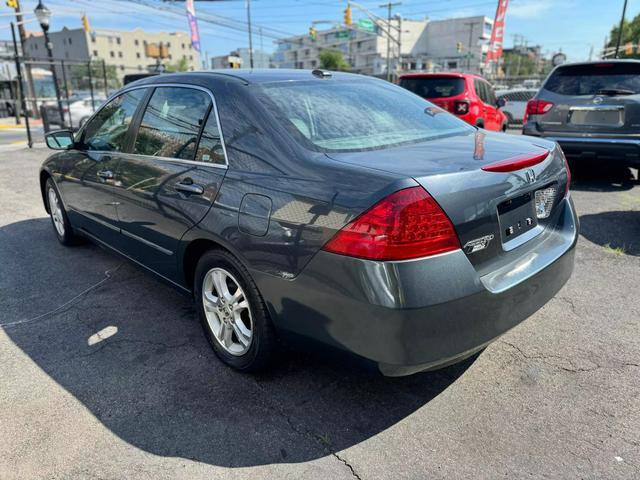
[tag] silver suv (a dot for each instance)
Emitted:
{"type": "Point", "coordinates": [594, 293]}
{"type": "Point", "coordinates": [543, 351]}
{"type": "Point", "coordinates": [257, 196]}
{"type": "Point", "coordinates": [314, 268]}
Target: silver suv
{"type": "Point", "coordinates": [591, 109]}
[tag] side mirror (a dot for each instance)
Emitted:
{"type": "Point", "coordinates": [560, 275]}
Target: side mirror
{"type": "Point", "coordinates": [501, 102]}
{"type": "Point", "coordinates": [59, 140]}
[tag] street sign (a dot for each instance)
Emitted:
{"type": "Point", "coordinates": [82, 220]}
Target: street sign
{"type": "Point", "coordinates": [366, 24]}
{"type": "Point", "coordinates": [342, 34]}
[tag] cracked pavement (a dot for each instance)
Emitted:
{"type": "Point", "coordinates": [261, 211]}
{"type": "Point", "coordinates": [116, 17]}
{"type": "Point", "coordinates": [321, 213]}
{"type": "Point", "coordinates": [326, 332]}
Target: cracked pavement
{"type": "Point", "coordinates": [106, 374]}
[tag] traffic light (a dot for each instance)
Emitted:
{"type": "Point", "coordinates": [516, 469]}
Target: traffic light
{"type": "Point", "coordinates": [628, 48]}
{"type": "Point", "coordinates": [459, 47]}
{"type": "Point", "coordinates": [85, 23]}
{"type": "Point", "coordinates": [313, 33]}
{"type": "Point", "coordinates": [347, 15]}
{"type": "Point", "coordinates": [12, 4]}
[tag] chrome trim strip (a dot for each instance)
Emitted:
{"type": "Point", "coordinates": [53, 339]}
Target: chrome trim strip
{"type": "Point", "coordinates": [96, 219]}
{"type": "Point", "coordinates": [146, 242]}
{"type": "Point", "coordinates": [133, 260]}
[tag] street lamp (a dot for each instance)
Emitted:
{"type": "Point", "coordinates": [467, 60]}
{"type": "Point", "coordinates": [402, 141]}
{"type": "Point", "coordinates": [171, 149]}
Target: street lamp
{"type": "Point", "coordinates": [43, 14]}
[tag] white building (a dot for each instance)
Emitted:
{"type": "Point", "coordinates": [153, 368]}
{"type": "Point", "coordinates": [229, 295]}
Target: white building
{"type": "Point", "coordinates": [424, 45]}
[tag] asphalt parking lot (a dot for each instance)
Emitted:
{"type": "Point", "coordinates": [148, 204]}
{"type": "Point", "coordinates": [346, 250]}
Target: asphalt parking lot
{"type": "Point", "coordinates": [105, 373]}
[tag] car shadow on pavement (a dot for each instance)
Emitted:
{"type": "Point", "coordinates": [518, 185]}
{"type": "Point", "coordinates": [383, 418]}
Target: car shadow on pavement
{"type": "Point", "coordinates": [131, 350]}
{"type": "Point", "coordinates": [618, 232]}
{"type": "Point", "coordinates": [598, 177]}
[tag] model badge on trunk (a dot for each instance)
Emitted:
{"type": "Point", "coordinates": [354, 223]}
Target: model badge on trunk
{"type": "Point", "coordinates": [477, 244]}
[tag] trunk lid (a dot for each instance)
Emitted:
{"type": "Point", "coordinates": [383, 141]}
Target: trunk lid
{"type": "Point", "coordinates": [481, 204]}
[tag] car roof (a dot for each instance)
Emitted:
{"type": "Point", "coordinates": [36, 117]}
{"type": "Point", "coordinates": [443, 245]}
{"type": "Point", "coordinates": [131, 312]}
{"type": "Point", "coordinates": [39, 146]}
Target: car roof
{"type": "Point", "coordinates": [267, 75]}
{"type": "Point", "coordinates": [598, 62]}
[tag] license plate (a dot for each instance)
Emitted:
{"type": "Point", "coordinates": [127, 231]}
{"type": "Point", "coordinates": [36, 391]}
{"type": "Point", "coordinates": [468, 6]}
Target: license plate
{"type": "Point", "coordinates": [597, 116]}
{"type": "Point", "coordinates": [516, 216]}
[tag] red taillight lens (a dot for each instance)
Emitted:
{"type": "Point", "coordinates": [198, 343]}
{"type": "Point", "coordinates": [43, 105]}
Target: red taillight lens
{"type": "Point", "coordinates": [461, 107]}
{"type": "Point", "coordinates": [407, 224]}
{"type": "Point", "coordinates": [538, 107]}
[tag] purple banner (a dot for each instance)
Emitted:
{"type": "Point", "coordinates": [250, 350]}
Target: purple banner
{"type": "Point", "coordinates": [193, 25]}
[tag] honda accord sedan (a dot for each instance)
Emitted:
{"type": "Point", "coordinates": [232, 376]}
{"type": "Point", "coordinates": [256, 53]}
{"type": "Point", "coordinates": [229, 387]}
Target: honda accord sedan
{"type": "Point", "coordinates": [311, 205]}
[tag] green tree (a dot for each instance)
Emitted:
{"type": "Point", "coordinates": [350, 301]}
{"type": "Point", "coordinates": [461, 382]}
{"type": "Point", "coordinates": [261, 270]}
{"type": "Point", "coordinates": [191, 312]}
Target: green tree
{"type": "Point", "coordinates": [518, 64]}
{"type": "Point", "coordinates": [333, 60]}
{"type": "Point", "coordinates": [630, 34]}
{"type": "Point", "coordinates": [181, 65]}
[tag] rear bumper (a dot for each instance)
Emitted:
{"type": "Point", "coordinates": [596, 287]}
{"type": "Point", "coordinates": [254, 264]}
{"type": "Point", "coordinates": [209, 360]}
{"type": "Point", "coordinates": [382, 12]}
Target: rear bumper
{"type": "Point", "coordinates": [421, 314]}
{"type": "Point", "coordinates": [622, 150]}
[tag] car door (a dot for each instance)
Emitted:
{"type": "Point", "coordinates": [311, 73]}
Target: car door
{"type": "Point", "coordinates": [169, 180]}
{"type": "Point", "coordinates": [493, 113]}
{"type": "Point", "coordinates": [88, 184]}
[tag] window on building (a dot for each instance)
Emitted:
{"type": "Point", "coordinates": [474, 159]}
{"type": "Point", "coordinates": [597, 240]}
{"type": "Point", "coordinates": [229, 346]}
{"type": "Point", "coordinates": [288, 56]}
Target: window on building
{"type": "Point", "coordinates": [122, 67]}
{"type": "Point", "coordinates": [119, 54]}
{"type": "Point", "coordinates": [137, 54]}
{"type": "Point", "coordinates": [70, 42]}
{"type": "Point", "coordinates": [93, 39]}
{"type": "Point", "coordinates": [136, 42]}
{"type": "Point", "coordinates": [112, 54]}
{"type": "Point", "coordinates": [168, 44]}
{"type": "Point", "coordinates": [118, 40]}
{"type": "Point", "coordinates": [190, 57]}
{"type": "Point", "coordinates": [171, 123]}
{"type": "Point", "coordinates": [452, 65]}
{"type": "Point", "coordinates": [95, 53]}
{"type": "Point", "coordinates": [183, 46]}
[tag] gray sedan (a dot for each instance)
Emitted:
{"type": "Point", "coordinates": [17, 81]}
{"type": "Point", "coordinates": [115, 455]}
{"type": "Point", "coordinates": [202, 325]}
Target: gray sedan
{"type": "Point", "coordinates": [296, 205]}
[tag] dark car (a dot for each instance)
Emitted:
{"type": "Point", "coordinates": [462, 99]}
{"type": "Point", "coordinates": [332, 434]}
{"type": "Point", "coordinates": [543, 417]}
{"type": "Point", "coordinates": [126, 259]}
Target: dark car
{"type": "Point", "coordinates": [468, 96]}
{"type": "Point", "coordinates": [591, 109]}
{"type": "Point", "coordinates": [331, 207]}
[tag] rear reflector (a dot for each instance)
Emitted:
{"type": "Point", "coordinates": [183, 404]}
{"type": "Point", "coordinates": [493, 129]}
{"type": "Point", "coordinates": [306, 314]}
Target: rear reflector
{"type": "Point", "coordinates": [407, 224]}
{"type": "Point", "coordinates": [516, 163]}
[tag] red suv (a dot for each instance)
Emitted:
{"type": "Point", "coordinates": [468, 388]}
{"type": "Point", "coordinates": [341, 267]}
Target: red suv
{"type": "Point", "coordinates": [468, 96]}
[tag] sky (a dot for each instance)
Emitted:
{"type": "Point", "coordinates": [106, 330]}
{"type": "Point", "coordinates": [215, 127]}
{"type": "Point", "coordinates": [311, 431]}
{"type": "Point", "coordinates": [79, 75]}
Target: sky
{"type": "Point", "coordinates": [570, 26]}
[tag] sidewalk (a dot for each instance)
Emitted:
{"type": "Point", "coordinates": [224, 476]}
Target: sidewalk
{"type": "Point", "coordinates": [9, 123]}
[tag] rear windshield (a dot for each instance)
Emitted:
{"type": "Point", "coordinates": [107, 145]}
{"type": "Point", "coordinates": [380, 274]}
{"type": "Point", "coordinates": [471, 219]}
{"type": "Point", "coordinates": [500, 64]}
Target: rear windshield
{"type": "Point", "coordinates": [434, 87]}
{"type": "Point", "coordinates": [356, 115]}
{"type": "Point", "coordinates": [592, 79]}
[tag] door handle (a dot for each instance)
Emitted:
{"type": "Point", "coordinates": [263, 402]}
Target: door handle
{"type": "Point", "coordinates": [106, 174]}
{"type": "Point", "coordinates": [187, 186]}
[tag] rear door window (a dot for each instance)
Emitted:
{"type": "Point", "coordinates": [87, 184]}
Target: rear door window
{"type": "Point", "coordinates": [171, 123]}
{"type": "Point", "coordinates": [593, 79]}
{"type": "Point", "coordinates": [434, 87]}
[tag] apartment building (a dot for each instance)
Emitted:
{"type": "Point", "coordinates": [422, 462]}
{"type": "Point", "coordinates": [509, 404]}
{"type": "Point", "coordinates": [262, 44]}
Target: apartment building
{"type": "Point", "coordinates": [126, 50]}
{"type": "Point", "coordinates": [415, 45]}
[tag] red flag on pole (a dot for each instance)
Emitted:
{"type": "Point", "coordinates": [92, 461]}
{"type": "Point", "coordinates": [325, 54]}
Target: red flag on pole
{"type": "Point", "coordinates": [497, 34]}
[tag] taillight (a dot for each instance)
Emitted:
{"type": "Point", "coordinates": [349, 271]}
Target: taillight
{"type": "Point", "coordinates": [461, 107]}
{"type": "Point", "coordinates": [537, 107]}
{"type": "Point", "coordinates": [407, 224]}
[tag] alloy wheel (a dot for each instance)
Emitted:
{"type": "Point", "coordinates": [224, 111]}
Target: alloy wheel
{"type": "Point", "coordinates": [56, 211]}
{"type": "Point", "coordinates": [227, 311]}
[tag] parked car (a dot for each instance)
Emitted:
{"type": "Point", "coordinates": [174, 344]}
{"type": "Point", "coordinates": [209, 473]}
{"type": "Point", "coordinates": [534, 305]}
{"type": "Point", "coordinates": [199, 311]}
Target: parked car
{"type": "Point", "coordinates": [468, 96]}
{"type": "Point", "coordinates": [324, 206]}
{"type": "Point", "coordinates": [591, 109]}
{"type": "Point", "coordinates": [76, 113]}
{"type": "Point", "coordinates": [515, 103]}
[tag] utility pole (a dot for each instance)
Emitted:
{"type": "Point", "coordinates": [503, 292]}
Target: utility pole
{"type": "Point", "coordinates": [470, 25]}
{"type": "Point", "coordinates": [250, 39]}
{"type": "Point", "coordinates": [389, 6]}
{"type": "Point", "coordinates": [23, 35]}
{"type": "Point", "coordinates": [624, 11]}
{"type": "Point", "coordinates": [23, 103]}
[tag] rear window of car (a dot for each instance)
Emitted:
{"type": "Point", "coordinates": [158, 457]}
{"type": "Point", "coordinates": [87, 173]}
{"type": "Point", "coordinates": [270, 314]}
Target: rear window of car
{"type": "Point", "coordinates": [356, 115]}
{"type": "Point", "coordinates": [434, 87]}
{"type": "Point", "coordinates": [592, 79]}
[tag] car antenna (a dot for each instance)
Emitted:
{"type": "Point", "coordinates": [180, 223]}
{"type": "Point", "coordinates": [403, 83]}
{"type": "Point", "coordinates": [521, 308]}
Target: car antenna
{"type": "Point", "coordinates": [321, 73]}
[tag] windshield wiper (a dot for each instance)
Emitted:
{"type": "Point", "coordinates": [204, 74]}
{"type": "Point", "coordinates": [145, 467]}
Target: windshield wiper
{"type": "Point", "coordinates": [615, 91]}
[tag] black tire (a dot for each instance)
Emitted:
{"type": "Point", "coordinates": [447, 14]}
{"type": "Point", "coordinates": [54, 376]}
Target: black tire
{"type": "Point", "coordinates": [67, 237]}
{"type": "Point", "coordinates": [503, 129]}
{"type": "Point", "coordinates": [261, 351]}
